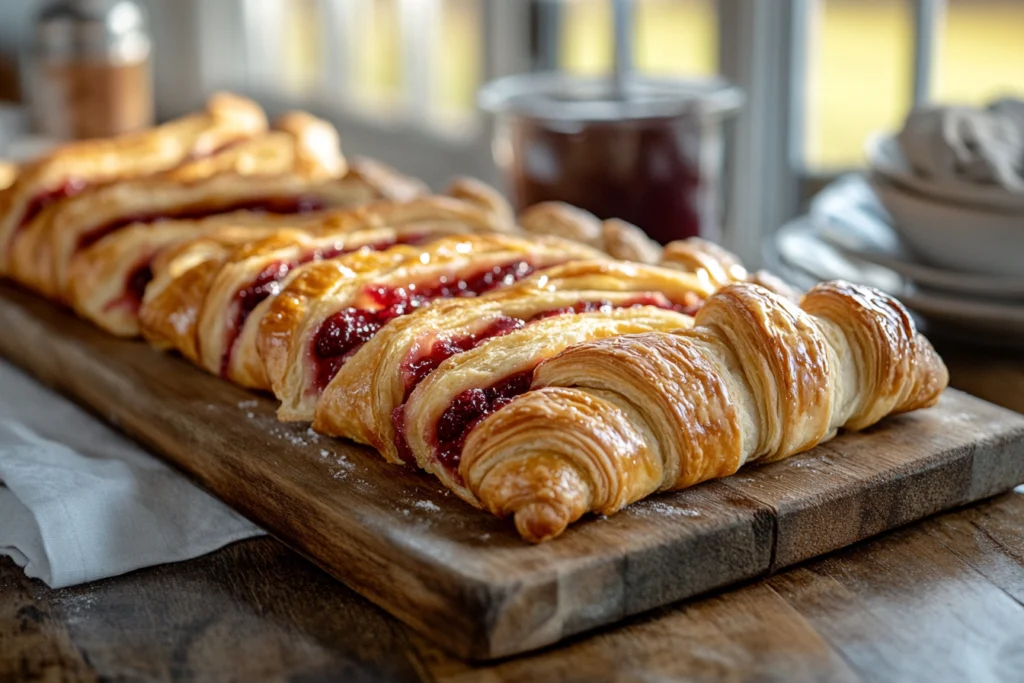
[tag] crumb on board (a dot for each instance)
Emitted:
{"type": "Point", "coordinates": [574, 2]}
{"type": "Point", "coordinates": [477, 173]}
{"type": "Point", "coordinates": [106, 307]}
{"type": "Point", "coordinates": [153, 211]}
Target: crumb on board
{"type": "Point", "coordinates": [426, 505]}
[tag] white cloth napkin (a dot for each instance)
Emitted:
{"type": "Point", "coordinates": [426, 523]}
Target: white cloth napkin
{"type": "Point", "coordinates": [968, 145]}
{"type": "Point", "coordinates": [82, 502]}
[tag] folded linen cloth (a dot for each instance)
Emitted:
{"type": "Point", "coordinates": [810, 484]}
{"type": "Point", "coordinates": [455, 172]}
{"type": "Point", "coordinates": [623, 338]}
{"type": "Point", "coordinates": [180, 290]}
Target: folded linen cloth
{"type": "Point", "coordinates": [83, 502]}
{"type": "Point", "coordinates": [968, 145]}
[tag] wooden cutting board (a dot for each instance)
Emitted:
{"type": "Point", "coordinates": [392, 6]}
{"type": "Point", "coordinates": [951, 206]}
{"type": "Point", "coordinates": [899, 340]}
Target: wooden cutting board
{"type": "Point", "coordinates": [463, 577]}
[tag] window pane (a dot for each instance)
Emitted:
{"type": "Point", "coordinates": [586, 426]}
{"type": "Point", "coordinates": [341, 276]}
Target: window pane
{"type": "Point", "coordinates": [375, 57]}
{"type": "Point", "coordinates": [460, 58]}
{"type": "Point", "coordinates": [859, 75]}
{"type": "Point", "coordinates": [678, 37]}
{"type": "Point", "coordinates": [981, 53]}
{"type": "Point", "coordinates": [301, 47]}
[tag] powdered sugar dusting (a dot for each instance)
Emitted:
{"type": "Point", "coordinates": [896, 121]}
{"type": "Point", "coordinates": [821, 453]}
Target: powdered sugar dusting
{"type": "Point", "coordinates": [659, 507]}
{"type": "Point", "coordinates": [426, 505]}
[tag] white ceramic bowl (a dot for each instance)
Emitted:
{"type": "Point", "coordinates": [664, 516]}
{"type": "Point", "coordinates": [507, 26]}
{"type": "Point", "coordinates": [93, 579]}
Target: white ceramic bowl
{"type": "Point", "coordinates": [952, 235]}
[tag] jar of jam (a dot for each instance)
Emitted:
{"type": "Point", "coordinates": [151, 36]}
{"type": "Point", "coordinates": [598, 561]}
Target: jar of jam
{"type": "Point", "coordinates": [89, 69]}
{"type": "Point", "coordinates": [651, 155]}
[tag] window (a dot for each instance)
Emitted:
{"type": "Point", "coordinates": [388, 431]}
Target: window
{"type": "Point", "coordinates": [400, 76]}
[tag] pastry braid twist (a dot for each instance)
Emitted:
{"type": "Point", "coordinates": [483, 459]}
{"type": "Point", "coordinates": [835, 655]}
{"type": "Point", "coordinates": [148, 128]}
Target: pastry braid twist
{"type": "Point", "coordinates": [614, 420]}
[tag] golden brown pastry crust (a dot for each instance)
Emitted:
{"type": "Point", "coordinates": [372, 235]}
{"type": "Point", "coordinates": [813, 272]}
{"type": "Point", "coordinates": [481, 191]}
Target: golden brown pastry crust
{"type": "Point", "coordinates": [360, 402]}
{"type": "Point", "coordinates": [181, 279]}
{"type": "Point", "coordinates": [503, 357]}
{"type": "Point", "coordinates": [211, 290]}
{"type": "Point", "coordinates": [615, 237]}
{"type": "Point", "coordinates": [388, 182]}
{"type": "Point", "coordinates": [226, 119]}
{"type": "Point", "coordinates": [8, 173]}
{"type": "Point", "coordinates": [484, 196]}
{"type": "Point", "coordinates": [612, 421]}
{"type": "Point", "coordinates": [306, 150]}
{"type": "Point", "coordinates": [99, 276]}
{"type": "Point", "coordinates": [74, 223]}
{"type": "Point", "coordinates": [293, 321]}
{"type": "Point", "coordinates": [719, 266]}
{"type": "Point", "coordinates": [230, 349]}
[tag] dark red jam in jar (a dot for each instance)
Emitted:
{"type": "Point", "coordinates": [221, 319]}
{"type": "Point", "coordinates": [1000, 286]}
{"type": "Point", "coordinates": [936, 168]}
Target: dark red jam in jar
{"type": "Point", "coordinates": [652, 158]}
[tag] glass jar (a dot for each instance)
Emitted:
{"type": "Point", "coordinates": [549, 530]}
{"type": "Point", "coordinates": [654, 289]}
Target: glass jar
{"type": "Point", "coordinates": [652, 157]}
{"type": "Point", "coordinates": [89, 69]}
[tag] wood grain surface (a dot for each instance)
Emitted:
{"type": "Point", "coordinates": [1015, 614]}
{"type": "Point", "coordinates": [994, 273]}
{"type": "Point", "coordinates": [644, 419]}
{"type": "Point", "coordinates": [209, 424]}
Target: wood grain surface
{"type": "Point", "coordinates": [941, 601]}
{"type": "Point", "coordinates": [463, 577]}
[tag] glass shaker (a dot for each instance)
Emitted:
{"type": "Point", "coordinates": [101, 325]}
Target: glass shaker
{"type": "Point", "coordinates": [89, 69]}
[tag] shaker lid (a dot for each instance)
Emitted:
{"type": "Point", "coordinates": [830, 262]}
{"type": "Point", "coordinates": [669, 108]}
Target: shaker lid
{"type": "Point", "coordinates": [112, 29]}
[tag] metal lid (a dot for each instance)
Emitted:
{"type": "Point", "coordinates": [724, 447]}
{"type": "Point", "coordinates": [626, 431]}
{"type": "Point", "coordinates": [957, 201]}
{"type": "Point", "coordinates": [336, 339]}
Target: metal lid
{"type": "Point", "coordinates": [112, 29]}
{"type": "Point", "coordinates": [557, 96]}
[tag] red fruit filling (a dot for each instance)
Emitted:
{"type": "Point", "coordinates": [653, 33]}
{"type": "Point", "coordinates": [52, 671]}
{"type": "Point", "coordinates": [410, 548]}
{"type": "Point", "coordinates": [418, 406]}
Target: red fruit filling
{"type": "Point", "coordinates": [468, 409]}
{"type": "Point", "coordinates": [134, 289]}
{"type": "Point", "coordinates": [415, 368]}
{"type": "Point", "coordinates": [267, 283]}
{"type": "Point", "coordinates": [35, 206]}
{"type": "Point", "coordinates": [277, 205]}
{"type": "Point", "coordinates": [343, 333]}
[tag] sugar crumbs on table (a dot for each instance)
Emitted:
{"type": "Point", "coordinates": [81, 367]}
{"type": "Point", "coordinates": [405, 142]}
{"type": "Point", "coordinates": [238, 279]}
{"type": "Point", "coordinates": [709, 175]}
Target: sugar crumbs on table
{"type": "Point", "coordinates": [242, 405]}
{"type": "Point", "coordinates": [250, 415]}
{"type": "Point", "coordinates": [312, 436]}
{"type": "Point", "coordinates": [426, 505]}
{"type": "Point", "coordinates": [324, 453]}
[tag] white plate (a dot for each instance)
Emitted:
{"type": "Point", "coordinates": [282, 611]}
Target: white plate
{"type": "Point", "coordinates": [849, 217]}
{"type": "Point", "coordinates": [800, 247]}
{"type": "Point", "coordinates": [886, 159]}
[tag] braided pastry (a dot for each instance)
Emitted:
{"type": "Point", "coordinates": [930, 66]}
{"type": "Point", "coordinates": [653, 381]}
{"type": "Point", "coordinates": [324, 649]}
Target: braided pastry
{"type": "Point", "coordinates": [71, 168]}
{"type": "Point", "coordinates": [365, 400]}
{"type": "Point", "coordinates": [324, 314]}
{"type": "Point", "coordinates": [757, 379]}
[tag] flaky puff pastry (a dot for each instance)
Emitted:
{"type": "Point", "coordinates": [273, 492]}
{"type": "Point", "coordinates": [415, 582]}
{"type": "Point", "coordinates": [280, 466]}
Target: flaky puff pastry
{"type": "Point", "coordinates": [245, 288]}
{"type": "Point", "coordinates": [449, 403]}
{"type": "Point", "coordinates": [324, 314]}
{"type": "Point", "coordinates": [73, 167]}
{"type": "Point", "coordinates": [757, 379]}
{"type": "Point", "coordinates": [365, 399]}
{"type": "Point", "coordinates": [90, 217]}
{"type": "Point", "coordinates": [719, 266]}
{"type": "Point", "coordinates": [184, 276]}
{"type": "Point", "coordinates": [303, 153]}
{"type": "Point", "coordinates": [8, 172]}
{"type": "Point", "coordinates": [181, 277]}
{"type": "Point", "coordinates": [615, 237]}
{"type": "Point", "coordinates": [389, 183]}
{"type": "Point", "coordinates": [484, 196]}
{"type": "Point", "coordinates": [104, 278]}
{"type": "Point", "coordinates": [106, 281]}
{"type": "Point", "coordinates": [223, 271]}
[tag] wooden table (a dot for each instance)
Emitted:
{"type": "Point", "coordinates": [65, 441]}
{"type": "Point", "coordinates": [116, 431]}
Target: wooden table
{"type": "Point", "coordinates": [942, 600]}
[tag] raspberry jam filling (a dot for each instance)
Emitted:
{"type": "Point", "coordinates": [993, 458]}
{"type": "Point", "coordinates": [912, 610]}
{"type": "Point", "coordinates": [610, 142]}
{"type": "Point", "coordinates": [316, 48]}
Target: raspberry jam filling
{"type": "Point", "coordinates": [134, 289]}
{"type": "Point", "coordinates": [343, 333]}
{"type": "Point", "coordinates": [468, 409]}
{"type": "Point", "coordinates": [35, 206]}
{"type": "Point", "coordinates": [415, 368]}
{"type": "Point", "coordinates": [276, 205]}
{"type": "Point", "coordinates": [268, 283]}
